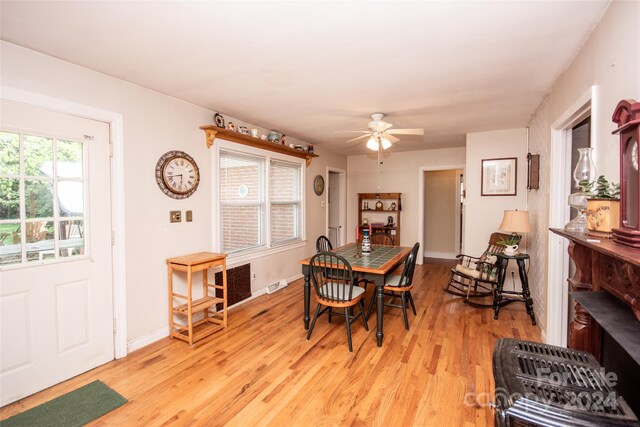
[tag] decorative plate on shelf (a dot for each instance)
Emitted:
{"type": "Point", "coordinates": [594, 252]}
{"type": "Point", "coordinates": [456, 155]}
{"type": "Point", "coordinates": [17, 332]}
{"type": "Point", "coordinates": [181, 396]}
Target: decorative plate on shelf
{"type": "Point", "coordinates": [219, 120]}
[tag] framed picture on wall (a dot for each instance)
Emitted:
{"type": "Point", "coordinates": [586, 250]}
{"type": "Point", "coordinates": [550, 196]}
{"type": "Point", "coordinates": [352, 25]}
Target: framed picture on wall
{"type": "Point", "coordinates": [499, 177]}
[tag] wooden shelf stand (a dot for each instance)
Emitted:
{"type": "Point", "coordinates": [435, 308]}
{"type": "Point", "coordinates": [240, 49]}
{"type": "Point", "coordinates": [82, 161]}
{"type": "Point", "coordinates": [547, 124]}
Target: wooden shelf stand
{"type": "Point", "coordinates": [212, 321]}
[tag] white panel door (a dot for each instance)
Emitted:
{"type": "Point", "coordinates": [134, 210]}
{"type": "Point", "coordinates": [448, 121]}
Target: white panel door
{"type": "Point", "coordinates": [56, 307]}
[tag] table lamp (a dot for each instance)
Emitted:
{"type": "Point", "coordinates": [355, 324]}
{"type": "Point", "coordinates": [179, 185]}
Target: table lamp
{"type": "Point", "coordinates": [516, 222]}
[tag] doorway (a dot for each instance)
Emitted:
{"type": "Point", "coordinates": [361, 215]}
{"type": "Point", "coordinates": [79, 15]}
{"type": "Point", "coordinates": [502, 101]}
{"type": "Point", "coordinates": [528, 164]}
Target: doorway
{"type": "Point", "coordinates": [57, 285]}
{"type": "Point", "coordinates": [443, 202]}
{"type": "Point", "coordinates": [559, 212]}
{"type": "Point", "coordinates": [336, 206]}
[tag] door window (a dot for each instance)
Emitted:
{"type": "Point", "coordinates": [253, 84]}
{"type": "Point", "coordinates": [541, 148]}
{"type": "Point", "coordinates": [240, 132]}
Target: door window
{"type": "Point", "coordinates": [42, 198]}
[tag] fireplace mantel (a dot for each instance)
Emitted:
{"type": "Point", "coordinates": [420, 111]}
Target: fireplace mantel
{"type": "Point", "coordinates": [601, 265]}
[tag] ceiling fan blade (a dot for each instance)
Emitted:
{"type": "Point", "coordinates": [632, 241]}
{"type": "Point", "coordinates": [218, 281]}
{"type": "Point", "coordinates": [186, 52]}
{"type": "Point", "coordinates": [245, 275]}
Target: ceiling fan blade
{"type": "Point", "coordinates": [352, 131]}
{"type": "Point", "coordinates": [391, 138]}
{"type": "Point", "coordinates": [358, 137]}
{"type": "Point", "coordinates": [406, 131]}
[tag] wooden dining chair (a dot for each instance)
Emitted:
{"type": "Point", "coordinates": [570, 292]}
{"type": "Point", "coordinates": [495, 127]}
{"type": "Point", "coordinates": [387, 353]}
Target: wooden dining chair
{"type": "Point", "coordinates": [323, 244]}
{"type": "Point", "coordinates": [399, 286]}
{"type": "Point", "coordinates": [382, 238]}
{"type": "Point", "coordinates": [332, 279]}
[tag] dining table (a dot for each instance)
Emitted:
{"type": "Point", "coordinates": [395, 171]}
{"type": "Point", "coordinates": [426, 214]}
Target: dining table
{"type": "Point", "coordinates": [374, 267]}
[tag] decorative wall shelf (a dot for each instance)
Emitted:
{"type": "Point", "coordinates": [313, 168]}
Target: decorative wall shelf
{"type": "Point", "coordinates": [212, 132]}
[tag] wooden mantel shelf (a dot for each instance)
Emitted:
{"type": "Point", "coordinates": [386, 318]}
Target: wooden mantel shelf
{"type": "Point", "coordinates": [212, 132]}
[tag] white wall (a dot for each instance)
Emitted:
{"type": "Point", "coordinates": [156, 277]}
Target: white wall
{"type": "Point", "coordinates": [400, 173]}
{"type": "Point", "coordinates": [154, 124]}
{"type": "Point", "coordinates": [610, 59]}
{"type": "Point", "coordinates": [483, 214]}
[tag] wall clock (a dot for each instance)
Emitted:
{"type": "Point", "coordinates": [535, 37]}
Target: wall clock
{"type": "Point", "coordinates": [627, 117]}
{"type": "Point", "coordinates": [318, 185]}
{"type": "Point", "coordinates": [177, 174]}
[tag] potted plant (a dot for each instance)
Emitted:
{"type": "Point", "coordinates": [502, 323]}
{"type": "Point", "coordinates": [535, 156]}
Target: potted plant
{"type": "Point", "coordinates": [603, 207]}
{"type": "Point", "coordinates": [510, 243]}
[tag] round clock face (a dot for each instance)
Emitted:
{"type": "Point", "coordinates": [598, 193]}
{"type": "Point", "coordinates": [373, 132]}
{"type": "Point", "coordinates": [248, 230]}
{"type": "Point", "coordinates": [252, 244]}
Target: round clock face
{"type": "Point", "coordinates": [318, 185]}
{"type": "Point", "coordinates": [177, 174]}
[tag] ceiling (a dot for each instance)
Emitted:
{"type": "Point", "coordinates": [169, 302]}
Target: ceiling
{"type": "Point", "coordinates": [308, 69]}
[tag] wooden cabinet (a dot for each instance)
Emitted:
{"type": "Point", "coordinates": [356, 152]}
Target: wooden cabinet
{"type": "Point", "coordinates": [211, 321]}
{"type": "Point", "coordinates": [378, 209]}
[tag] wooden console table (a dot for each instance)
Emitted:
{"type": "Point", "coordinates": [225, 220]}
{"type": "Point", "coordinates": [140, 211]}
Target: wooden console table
{"type": "Point", "coordinates": [601, 265]}
{"type": "Point", "coordinates": [201, 261]}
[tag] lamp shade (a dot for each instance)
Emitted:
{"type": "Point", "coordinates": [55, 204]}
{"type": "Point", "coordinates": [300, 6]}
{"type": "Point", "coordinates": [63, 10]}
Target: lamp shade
{"type": "Point", "coordinates": [516, 222]}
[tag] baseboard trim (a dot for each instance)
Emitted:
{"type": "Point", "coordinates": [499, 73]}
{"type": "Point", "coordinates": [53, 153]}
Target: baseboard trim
{"type": "Point", "coordinates": [442, 255]}
{"type": "Point", "coordinates": [163, 332]}
{"type": "Point", "coordinates": [145, 340]}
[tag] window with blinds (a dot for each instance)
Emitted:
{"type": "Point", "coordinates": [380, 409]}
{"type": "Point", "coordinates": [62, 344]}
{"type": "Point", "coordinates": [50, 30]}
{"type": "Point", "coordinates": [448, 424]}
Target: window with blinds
{"type": "Point", "coordinates": [260, 201]}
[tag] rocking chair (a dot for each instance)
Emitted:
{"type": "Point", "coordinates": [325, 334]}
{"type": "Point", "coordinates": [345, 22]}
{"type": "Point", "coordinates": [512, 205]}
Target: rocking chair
{"type": "Point", "coordinates": [475, 277]}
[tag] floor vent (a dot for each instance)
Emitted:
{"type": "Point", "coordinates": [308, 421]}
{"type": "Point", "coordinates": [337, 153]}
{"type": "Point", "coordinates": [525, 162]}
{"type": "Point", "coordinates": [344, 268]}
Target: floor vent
{"type": "Point", "coordinates": [276, 286]}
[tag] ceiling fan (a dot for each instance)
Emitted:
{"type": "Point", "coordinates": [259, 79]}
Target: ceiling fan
{"type": "Point", "coordinates": [380, 135]}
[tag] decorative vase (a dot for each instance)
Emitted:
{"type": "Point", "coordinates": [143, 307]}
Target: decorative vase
{"type": "Point", "coordinates": [603, 215]}
{"type": "Point", "coordinates": [366, 242]}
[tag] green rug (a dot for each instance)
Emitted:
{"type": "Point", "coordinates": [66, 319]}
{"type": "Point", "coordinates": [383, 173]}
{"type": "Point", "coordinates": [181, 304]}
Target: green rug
{"type": "Point", "coordinates": [75, 408]}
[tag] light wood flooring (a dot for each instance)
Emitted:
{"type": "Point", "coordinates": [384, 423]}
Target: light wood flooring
{"type": "Point", "coordinates": [262, 371]}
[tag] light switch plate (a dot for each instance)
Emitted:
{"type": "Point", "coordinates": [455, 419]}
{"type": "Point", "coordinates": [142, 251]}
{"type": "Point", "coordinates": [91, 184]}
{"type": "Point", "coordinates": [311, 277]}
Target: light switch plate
{"type": "Point", "coordinates": [175, 216]}
{"type": "Point", "coordinates": [189, 216]}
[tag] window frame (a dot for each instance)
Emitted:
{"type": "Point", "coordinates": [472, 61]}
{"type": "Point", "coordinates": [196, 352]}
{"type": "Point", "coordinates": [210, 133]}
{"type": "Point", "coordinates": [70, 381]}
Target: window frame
{"type": "Point", "coordinates": [56, 218]}
{"type": "Point", "coordinates": [296, 203]}
{"type": "Point", "coordinates": [269, 247]}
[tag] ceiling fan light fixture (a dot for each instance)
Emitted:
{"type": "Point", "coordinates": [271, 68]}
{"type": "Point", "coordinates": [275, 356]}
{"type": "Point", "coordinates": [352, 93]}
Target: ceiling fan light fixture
{"type": "Point", "coordinates": [385, 143]}
{"type": "Point", "coordinates": [372, 144]}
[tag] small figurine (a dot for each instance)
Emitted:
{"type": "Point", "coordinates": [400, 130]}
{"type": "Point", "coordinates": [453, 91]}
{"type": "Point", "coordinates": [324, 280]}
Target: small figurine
{"type": "Point", "coordinates": [231, 126]}
{"type": "Point", "coordinates": [389, 221]}
{"type": "Point", "coordinates": [393, 206]}
{"type": "Point", "coordinates": [310, 149]}
{"type": "Point", "coordinates": [283, 140]}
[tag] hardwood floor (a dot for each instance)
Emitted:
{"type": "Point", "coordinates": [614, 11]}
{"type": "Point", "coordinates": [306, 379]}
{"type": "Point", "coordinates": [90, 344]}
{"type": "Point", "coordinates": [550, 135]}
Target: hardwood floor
{"type": "Point", "coordinates": [262, 371]}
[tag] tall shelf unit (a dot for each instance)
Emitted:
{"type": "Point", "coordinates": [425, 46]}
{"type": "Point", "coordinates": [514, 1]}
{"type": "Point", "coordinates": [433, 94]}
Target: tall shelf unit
{"type": "Point", "coordinates": [377, 208]}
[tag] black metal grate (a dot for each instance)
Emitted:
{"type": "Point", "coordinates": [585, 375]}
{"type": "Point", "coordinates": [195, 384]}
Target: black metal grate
{"type": "Point", "coordinates": [559, 352]}
{"type": "Point", "coordinates": [587, 377]}
{"type": "Point", "coordinates": [549, 385]}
